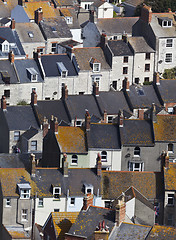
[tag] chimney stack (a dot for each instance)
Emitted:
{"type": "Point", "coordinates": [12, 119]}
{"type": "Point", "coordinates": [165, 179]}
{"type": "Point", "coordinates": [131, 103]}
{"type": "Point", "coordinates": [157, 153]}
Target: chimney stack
{"type": "Point", "coordinates": [121, 118]}
{"type": "Point", "coordinates": [120, 212]}
{"type": "Point", "coordinates": [64, 92]}
{"type": "Point", "coordinates": [99, 166]}
{"type": "Point", "coordinates": [126, 84]}
{"type": "Point", "coordinates": [65, 165]}
{"type": "Point", "coordinates": [103, 40]}
{"type": "Point", "coordinates": [3, 103]}
{"type": "Point", "coordinates": [125, 38]}
{"type": "Point", "coordinates": [157, 78]}
{"type": "Point", "coordinates": [38, 15]}
{"type": "Point", "coordinates": [167, 160]}
{"type": "Point", "coordinates": [45, 126]}
{"type": "Point", "coordinates": [87, 201]}
{"type": "Point", "coordinates": [101, 232]}
{"type": "Point", "coordinates": [33, 165]}
{"type": "Point", "coordinates": [11, 57]}
{"type": "Point", "coordinates": [146, 14]}
{"type": "Point", "coordinates": [105, 116]}
{"type": "Point", "coordinates": [153, 113]}
{"type": "Point", "coordinates": [54, 124]}
{"type": "Point", "coordinates": [91, 16]}
{"type": "Point", "coordinates": [35, 56]}
{"type": "Point", "coordinates": [12, 24]}
{"type": "Point", "coordinates": [33, 98]}
{"type": "Point", "coordinates": [87, 120]}
{"type": "Point", "coordinates": [141, 114]}
{"type": "Point", "coordinates": [95, 89]}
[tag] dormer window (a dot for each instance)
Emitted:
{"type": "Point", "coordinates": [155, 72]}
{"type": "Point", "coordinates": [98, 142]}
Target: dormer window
{"type": "Point", "coordinates": [5, 46]}
{"type": "Point", "coordinates": [24, 190]}
{"type": "Point", "coordinates": [88, 188]}
{"type": "Point", "coordinates": [32, 74]}
{"type": "Point", "coordinates": [56, 192]}
{"type": "Point", "coordinates": [62, 69]}
{"type": "Point", "coordinates": [165, 22]}
{"type": "Point", "coordinates": [69, 20]}
{"type": "Point", "coordinates": [96, 67]}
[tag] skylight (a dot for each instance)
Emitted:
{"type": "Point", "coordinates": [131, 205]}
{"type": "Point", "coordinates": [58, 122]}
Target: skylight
{"type": "Point", "coordinates": [31, 35]}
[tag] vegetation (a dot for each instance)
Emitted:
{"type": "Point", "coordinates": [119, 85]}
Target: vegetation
{"type": "Point", "coordinates": [23, 102]}
{"type": "Point", "coordinates": [147, 83]}
{"type": "Point", "coordinates": [170, 73]}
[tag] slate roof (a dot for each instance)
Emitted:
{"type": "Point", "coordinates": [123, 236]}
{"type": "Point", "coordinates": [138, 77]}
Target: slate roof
{"type": "Point", "coordinates": [19, 15]}
{"type": "Point", "coordinates": [83, 56]}
{"type": "Point", "coordinates": [4, 10]}
{"type": "Point", "coordinates": [46, 108]}
{"type": "Point", "coordinates": [10, 161]}
{"type": "Point", "coordinates": [20, 118]}
{"type": "Point", "coordinates": [70, 12]}
{"type": "Point", "coordinates": [162, 233]}
{"type": "Point", "coordinates": [98, 3]}
{"type": "Point", "coordinates": [136, 132]}
{"type": "Point", "coordinates": [24, 30]}
{"type": "Point", "coordinates": [165, 128]}
{"type": "Point", "coordinates": [49, 63]}
{"type": "Point", "coordinates": [167, 90]}
{"type": "Point", "coordinates": [139, 45]}
{"type": "Point", "coordinates": [6, 66]}
{"type": "Point", "coordinates": [21, 66]}
{"type": "Point", "coordinates": [149, 184]}
{"type": "Point", "coordinates": [30, 133]}
{"type": "Point", "coordinates": [87, 221]}
{"type": "Point", "coordinates": [119, 48]}
{"type": "Point", "coordinates": [71, 139]}
{"type": "Point", "coordinates": [77, 104]}
{"type": "Point", "coordinates": [74, 182]}
{"type": "Point", "coordinates": [62, 222]}
{"type": "Point", "coordinates": [128, 231]}
{"type": "Point", "coordinates": [61, 29]}
{"type": "Point", "coordinates": [104, 136]}
{"type": "Point", "coordinates": [170, 177]}
{"type": "Point", "coordinates": [10, 177]}
{"type": "Point", "coordinates": [112, 102]}
{"type": "Point", "coordinates": [113, 26]}
{"type": "Point", "coordinates": [142, 96]}
{"type": "Point", "coordinates": [134, 3]}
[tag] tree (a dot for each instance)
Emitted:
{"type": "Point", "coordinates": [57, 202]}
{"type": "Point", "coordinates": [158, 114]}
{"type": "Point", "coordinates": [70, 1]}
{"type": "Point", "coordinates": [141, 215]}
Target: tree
{"type": "Point", "coordinates": [161, 5]}
{"type": "Point", "coordinates": [170, 73]}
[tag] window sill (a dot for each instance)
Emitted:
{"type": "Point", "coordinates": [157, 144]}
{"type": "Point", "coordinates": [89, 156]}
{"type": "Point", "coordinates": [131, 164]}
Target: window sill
{"type": "Point", "coordinates": [74, 164]}
{"type": "Point", "coordinates": [56, 199]}
{"type": "Point", "coordinates": [8, 206]}
{"type": "Point", "coordinates": [40, 206]}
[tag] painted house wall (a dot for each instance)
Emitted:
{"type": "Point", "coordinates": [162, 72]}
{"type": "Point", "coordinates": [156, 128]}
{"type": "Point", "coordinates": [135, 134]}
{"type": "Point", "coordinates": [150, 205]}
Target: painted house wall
{"type": "Point", "coordinates": [105, 11]}
{"type": "Point", "coordinates": [83, 161]}
{"type": "Point", "coordinates": [25, 145]}
{"type": "Point", "coordinates": [130, 208]}
{"type": "Point", "coordinates": [113, 159]}
{"type": "Point", "coordinates": [29, 48]}
{"type": "Point", "coordinates": [12, 142]}
{"type": "Point", "coordinates": [48, 46]}
{"type": "Point", "coordinates": [76, 33]}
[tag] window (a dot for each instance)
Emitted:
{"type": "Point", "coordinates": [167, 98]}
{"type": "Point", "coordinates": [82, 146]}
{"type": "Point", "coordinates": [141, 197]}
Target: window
{"type": "Point", "coordinates": [170, 110]}
{"type": "Point", "coordinates": [8, 202]}
{"type": "Point", "coordinates": [88, 188]}
{"type": "Point", "coordinates": [125, 59]}
{"type": "Point", "coordinates": [147, 56]}
{"type": "Point", "coordinates": [40, 50]}
{"type": "Point", "coordinates": [115, 37]}
{"type": "Point", "coordinates": [170, 199]}
{"type": "Point", "coordinates": [137, 151]}
{"type": "Point", "coordinates": [56, 210]}
{"type": "Point", "coordinates": [16, 135]}
{"type": "Point", "coordinates": [74, 160]}
{"type": "Point", "coordinates": [147, 67]}
{"type": "Point", "coordinates": [134, 166]}
{"type": "Point", "coordinates": [33, 77]}
{"type": "Point", "coordinates": [114, 85]}
{"type": "Point", "coordinates": [40, 202]}
{"type": "Point", "coordinates": [56, 192]}
{"type": "Point", "coordinates": [136, 80]}
{"type": "Point", "coordinates": [170, 147]}
{"type": "Point", "coordinates": [167, 23]}
{"type": "Point", "coordinates": [146, 79]}
{"type": "Point", "coordinates": [78, 123]}
{"type": "Point", "coordinates": [110, 119]}
{"type": "Point", "coordinates": [33, 145]}
{"type": "Point", "coordinates": [72, 201]}
{"type": "Point", "coordinates": [104, 156]}
{"type": "Point", "coordinates": [97, 80]}
{"type": "Point", "coordinates": [96, 67]}
{"type": "Point", "coordinates": [69, 20]}
{"type": "Point", "coordinates": [24, 215]}
{"type": "Point", "coordinates": [7, 93]}
{"type": "Point", "coordinates": [168, 57]}
{"type": "Point", "coordinates": [87, 6]}
{"type": "Point", "coordinates": [108, 204]}
{"type": "Point", "coordinates": [33, 89]}
{"type": "Point", "coordinates": [53, 47]}
{"type": "Point", "coordinates": [25, 193]}
{"type": "Point", "coordinates": [169, 42]}
{"type": "Point", "coordinates": [5, 48]}
{"type": "Point", "coordinates": [64, 74]}
{"type": "Point", "coordinates": [125, 70]}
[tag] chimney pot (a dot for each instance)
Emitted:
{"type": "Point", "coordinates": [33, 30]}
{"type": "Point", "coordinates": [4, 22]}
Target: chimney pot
{"type": "Point", "coordinates": [157, 78]}
{"type": "Point", "coordinates": [3, 103]}
{"type": "Point", "coordinates": [167, 160]}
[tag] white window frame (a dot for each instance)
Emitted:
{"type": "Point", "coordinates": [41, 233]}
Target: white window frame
{"type": "Point", "coordinates": [56, 192]}
{"type": "Point", "coordinates": [34, 77]}
{"type": "Point", "coordinates": [137, 149]}
{"type": "Point", "coordinates": [170, 151]}
{"type": "Point", "coordinates": [5, 47]}
{"type": "Point", "coordinates": [96, 67]}
{"type": "Point", "coordinates": [53, 48]}
{"type": "Point", "coordinates": [170, 110]}
{"type": "Point", "coordinates": [169, 42]}
{"type": "Point", "coordinates": [16, 136]}
{"type": "Point", "coordinates": [34, 146]}
{"type": "Point", "coordinates": [69, 20]}
{"type": "Point", "coordinates": [170, 198]}
{"type": "Point", "coordinates": [110, 119]}
{"type": "Point", "coordinates": [134, 168]}
{"type": "Point", "coordinates": [72, 201]}
{"type": "Point", "coordinates": [88, 188]}
{"type": "Point", "coordinates": [74, 159]}
{"type": "Point", "coordinates": [25, 193]}
{"type": "Point", "coordinates": [24, 215]}
{"type": "Point", "coordinates": [168, 58]}
{"type": "Point", "coordinates": [167, 25]}
{"type": "Point", "coordinates": [8, 202]}
{"type": "Point", "coordinates": [104, 156]}
{"type": "Point", "coordinates": [64, 74]}
{"type": "Point", "coordinates": [40, 202]}
{"type": "Point", "coordinates": [78, 123]}
{"type": "Point", "coordinates": [97, 80]}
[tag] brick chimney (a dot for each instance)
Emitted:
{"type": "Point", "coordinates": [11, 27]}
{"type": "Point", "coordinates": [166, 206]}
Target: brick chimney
{"type": "Point", "coordinates": [166, 160]}
{"type": "Point", "coordinates": [87, 201]}
{"type": "Point", "coordinates": [126, 84]}
{"type": "Point", "coordinates": [141, 114]}
{"type": "Point", "coordinates": [87, 120]}
{"type": "Point", "coordinates": [11, 57]}
{"type": "Point", "coordinates": [146, 14]}
{"type": "Point", "coordinates": [54, 124]}
{"type": "Point", "coordinates": [12, 24]}
{"type": "Point", "coordinates": [99, 166]}
{"type": "Point", "coordinates": [120, 212]}
{"type": "Point", "coordinates": [64, 92]}
{"type": "Point", "coordinates": [33, 165]}
{"type": "Point", "coordinates": [125, 38]}
{"type": "Point", "coordinates": [38, 15]}
{"type": "Point", "coordinates": [45, 126]}
{"type": "Point", "coordinates": [101, 232]}
{"type": "Point", "coordinates": [103, 40]}
{"type": "Point", "coordinates": [105, 116]}
{"type": "Point", "coordinates": [157, 78]}
{"type": "Point", "coordinates": [120, 116]}
{"type": "Point", "coordinates": [65, 165]}
{"type": "Point", "coordinates": [95, 89]}
{"type": "Point", "coordinates": [3, 103]}
{"type": "Point", "coordinates": [33, 98]}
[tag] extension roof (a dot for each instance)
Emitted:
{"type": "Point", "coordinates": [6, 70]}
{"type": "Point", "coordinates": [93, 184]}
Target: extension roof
{"type": "Point", "coordinates": [162, 233]}
{"type": "Point", "coordinates": [166, 90]}
{"type": "Point", "coordinates": [6, 66]}
{"type": "Point", "coordinates": [70, 12]}
{"type": "Point", "coordinates": [170, 177]}
{"type": "Point", "coordinates": [119, 48]}
{"type": "Point", "coordinates": [149, 184]}
{"type": "Point", "coordinates": [139, 45]}
{"type": "Point", "coordinates": [30, 133]}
